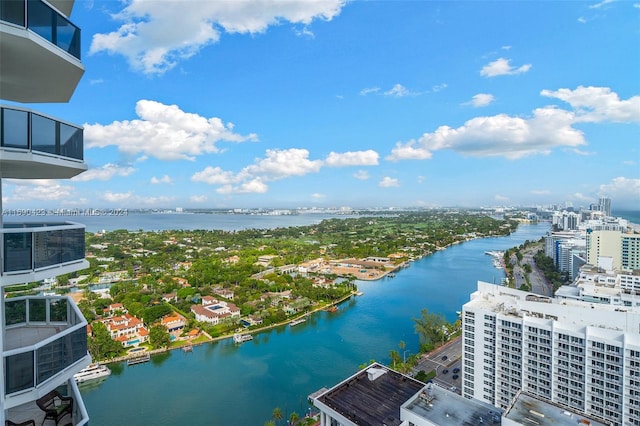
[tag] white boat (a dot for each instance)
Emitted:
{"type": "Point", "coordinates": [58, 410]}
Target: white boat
{"type": "Point", "coordinates": [93, 371]}
{"type": "Point", "coordinates": [240, 338]}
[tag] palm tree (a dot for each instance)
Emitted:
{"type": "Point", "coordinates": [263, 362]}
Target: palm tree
{"type": "Point", "coordinates": [293, 418]}
{"type": "Point", "coordinates": [277, 414]}
{"type": "Point", "coordinates": [269, 423]}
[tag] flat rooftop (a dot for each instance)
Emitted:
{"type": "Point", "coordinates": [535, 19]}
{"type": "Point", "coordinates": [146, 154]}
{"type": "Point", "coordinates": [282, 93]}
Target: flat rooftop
{"type": "Point", "coordinates": [442, 407]}
{"type": "Point", "coordinates": [367, 402]}
{"type": "Point", "coordinates": [526, 409]}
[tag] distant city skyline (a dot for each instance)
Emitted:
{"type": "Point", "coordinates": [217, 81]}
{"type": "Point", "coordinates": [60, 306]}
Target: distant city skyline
{"type": "Point", "coordinates": [255, 104]}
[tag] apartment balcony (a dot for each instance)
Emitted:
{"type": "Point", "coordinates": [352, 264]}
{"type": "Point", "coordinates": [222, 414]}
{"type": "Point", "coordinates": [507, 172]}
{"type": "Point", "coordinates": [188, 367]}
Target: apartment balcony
{"type": "Point", "coordinates": [45, 343]}
{"type": "Point", "coordinates": [32, 252]}
{"type": "Point", "coordinates": [30, 411]}
{"type": "Point", "coordinates": [40, 51]}
{"type": "Point", "coordinates": [36, 146]}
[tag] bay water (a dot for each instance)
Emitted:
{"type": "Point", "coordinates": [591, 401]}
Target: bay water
{"type": "Point", "coordinates": [224, 383]}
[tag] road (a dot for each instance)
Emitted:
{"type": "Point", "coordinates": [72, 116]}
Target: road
{"type": "Point", "coordinates": [433, 361]}
{"type": "Point", "coordinates": [539, 283]}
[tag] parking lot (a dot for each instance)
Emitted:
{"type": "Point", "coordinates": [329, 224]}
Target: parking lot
{"type": "Point", "coordinates": [446, 361]}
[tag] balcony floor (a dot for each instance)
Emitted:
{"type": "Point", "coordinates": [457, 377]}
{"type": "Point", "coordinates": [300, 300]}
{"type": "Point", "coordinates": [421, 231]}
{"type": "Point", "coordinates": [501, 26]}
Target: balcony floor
{"type": "Point", "coordinates": [30, 411]}
{"type": "Point", "coordinates": [20, 337]}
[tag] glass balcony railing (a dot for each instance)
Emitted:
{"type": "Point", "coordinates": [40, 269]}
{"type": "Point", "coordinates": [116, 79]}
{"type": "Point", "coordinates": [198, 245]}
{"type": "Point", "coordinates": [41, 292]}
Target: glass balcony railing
{"type": "Point", "coordinates": [43, 336]}
{"type": "Point", "coordinates": [43, 20]}
{"type": "Point", "coordinates": [29, 247]}
{"type": "Point", "coordinates": [25, 130]}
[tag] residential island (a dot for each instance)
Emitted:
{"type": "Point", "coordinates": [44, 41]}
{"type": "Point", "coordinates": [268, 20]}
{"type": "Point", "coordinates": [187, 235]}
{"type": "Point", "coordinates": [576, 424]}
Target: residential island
{"type": "Point", "coordinates": [170, 289]}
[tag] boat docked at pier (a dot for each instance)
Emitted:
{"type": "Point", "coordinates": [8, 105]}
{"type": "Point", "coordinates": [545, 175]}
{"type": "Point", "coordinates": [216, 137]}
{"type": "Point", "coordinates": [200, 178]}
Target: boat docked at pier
{"type": "Point", "coordinates": [92, 372]}
{"type": "Point", "coordinates": [241, 338]}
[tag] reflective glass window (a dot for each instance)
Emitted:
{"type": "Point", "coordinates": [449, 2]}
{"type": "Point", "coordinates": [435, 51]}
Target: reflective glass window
{"type": "Point", "coordinates": [40, 19]}
{"type": "Point", "coordinates": [18, 372]}
{"type": "Point", "coordinates": [37, 310]}
{"type": "Point", "coordinates": [58, 310]}
{"type": "Point", "coordinates": [67, 36]}
{"type": "Point", "coordinates": [15, 312]}
{"type": "Point", "coordinates": [12, 11]}
{"type": "Point", "coordinates": [15, 126]}
{"type": "Point", "coordinates": [71, 141]}
{"type": "Point", "coordinates": [17, 251]}
{"type": "Point", "coordinates": [43, 134]}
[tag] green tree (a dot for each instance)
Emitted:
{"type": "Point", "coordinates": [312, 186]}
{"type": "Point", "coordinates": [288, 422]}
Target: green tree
{"type": "Point", "coordinates": [276, 415]}
{"type": "Point", "coordinates": [100, 344]}
{"type": "Point", "coordinates": [154, 313]}
{"type": "Point", "coordinates": [293, 418]}
{"type": "Point", "coordinates": [159, 337]}
{"type": "Point", "coordinates": [430, 328]}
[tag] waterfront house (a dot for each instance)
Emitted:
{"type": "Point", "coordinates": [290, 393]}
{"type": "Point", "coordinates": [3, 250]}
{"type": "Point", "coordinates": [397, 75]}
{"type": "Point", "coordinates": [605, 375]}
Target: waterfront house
{"type": "Point", "coordinates": [173, 322]}
{"type": "Point", "coordinates": [213, 311]}
{"type": "Point", "coordinates": [126, 326]}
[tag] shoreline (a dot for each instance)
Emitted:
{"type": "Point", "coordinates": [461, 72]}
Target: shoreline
{"type": "Point", "coordinates": [127, 357]}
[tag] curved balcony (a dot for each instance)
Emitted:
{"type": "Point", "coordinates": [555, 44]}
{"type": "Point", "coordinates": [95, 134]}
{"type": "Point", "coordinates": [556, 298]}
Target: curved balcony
{"type": "Point", "coordinates": [40, 51]}
{"type": "Point", "coordinates": [45, 341]}
{"type": "Point", "coordinates": [35, 251]}
{"type": "Point", "coordinates": [36, 146]}
{"type": "Point", "coordinates": [30, 411]}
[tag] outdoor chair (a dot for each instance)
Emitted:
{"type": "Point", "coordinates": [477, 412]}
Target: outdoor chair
{"type": "Point", "coordinates": [55, 406]}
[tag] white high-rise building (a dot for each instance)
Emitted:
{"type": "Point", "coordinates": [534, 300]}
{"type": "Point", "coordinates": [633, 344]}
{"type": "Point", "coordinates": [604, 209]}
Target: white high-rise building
{"type": "Point", "coordinates": [604, 205]}
{"type": "Point", "coordinates": [43, 339]}
{"type": "Point", "coordinates": [578, 354]}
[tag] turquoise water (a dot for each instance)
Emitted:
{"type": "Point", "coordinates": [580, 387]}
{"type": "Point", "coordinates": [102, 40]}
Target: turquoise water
{"type": "Point", "coordinates": [226, 384]}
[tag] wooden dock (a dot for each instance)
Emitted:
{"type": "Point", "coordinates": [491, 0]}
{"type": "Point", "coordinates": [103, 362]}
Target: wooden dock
{"type": "Point", "coordinates": [139, 359]}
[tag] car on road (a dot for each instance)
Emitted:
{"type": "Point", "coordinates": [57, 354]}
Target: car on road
{"type": "Point", "coordinates": [445, 371]}
{"type": "Point", "coordinates": [456, 370]}
{"type": "Point", "coordinates": [455, 377]}
{"type": "Point", "coordinates": [444, 357]}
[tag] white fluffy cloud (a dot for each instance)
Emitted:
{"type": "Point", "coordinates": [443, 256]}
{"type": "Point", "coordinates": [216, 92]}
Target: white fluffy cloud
{"type": "Point", "coordinates": [37, 190]}
{"type": "Point", "coordinates": [352, 158]}
{"type": "Point", "coordinates": [129, 199]}
{"type": "Point", "coordinates": [164, 179]}
{"type": "Point", "coordinates": [398, 91]}
{"type": "Point", "coordinates": [105, 172]}
{"type": "Point", "coordinates": [498, 135]}
{"type": "Point", "coordinates": [515, 137]}
{"type": "Point", "coordinates": [388, 182]}
{"type": "Point", "coordinates": [164, 132]}
{"type": "Point", "coordinates": [481, 100]}
{"type": "Point", "coordinates": [625, 191]}
{"type": "Point", "coordinates": [361, 175]}
{"type": "Point", "coordinates": [279, 164]}
{"type": "Point", "coordinates": [155, 36]}
{"type": "Point", "coordinates": [276, 165]}
{"type": "Point", "coordinates": [213, 176]}
{"type": "Point", "coordinates": [597, 104]}
{"type": "Point", "coordinates": [502, 66]}
{"type": "Point", "coordinates": [368, 90]}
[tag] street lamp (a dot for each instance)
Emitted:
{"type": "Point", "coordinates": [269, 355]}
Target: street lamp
{"type": "Point", "coordinates": [404, 356]}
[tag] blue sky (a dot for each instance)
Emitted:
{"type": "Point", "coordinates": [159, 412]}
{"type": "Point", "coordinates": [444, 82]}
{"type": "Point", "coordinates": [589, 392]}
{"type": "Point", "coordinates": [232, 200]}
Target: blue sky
{"type": "Point", "coordinates": [262, 103]}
